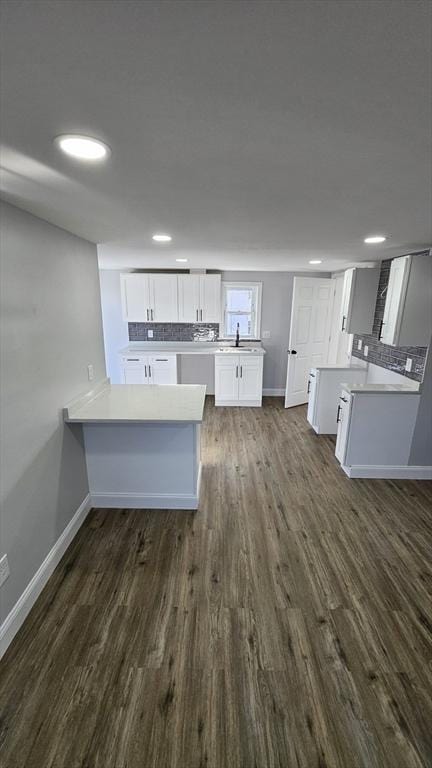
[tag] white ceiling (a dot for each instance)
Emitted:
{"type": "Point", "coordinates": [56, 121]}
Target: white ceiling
{"type": "Point", "coordinates": [259, 134]}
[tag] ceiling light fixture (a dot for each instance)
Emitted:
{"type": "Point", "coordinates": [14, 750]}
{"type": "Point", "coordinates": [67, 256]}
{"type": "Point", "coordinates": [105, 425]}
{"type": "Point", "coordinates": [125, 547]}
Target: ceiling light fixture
{"type": "Point", "coordinates": [82, 147]}
{"type": "Point", "coordinates": [372, 239]}
{"type": "Point", "coordinates": [183, 260]}
{"type": "Point", "coordinates": [160, 238]}
{"type": "Point", "coordinates": [316, 261]}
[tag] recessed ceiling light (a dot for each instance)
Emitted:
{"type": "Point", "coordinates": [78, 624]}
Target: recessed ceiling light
{"type": "Point", "coordinates": [316, 261]}
{"type": "Point", "coordinates": [82, 147]}
{"type": "Point", "coordinates": [160, 238]}
{"type": "Point", "coordinates": [375, 239]}
{"type": "Point", "coordinates": [181, 259]}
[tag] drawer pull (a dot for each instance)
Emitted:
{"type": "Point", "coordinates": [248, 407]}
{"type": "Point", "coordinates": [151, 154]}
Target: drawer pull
{"type": "Point", "coordinates": [162, 360]}
{"type": "Point", "coordinates": [133, 359]}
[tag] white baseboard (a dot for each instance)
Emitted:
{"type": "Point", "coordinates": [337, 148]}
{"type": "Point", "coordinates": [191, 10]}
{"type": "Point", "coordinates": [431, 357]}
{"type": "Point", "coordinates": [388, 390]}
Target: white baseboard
{"type": "Point", "coordinates": [273, 392]}
{"type": "Point", "coordinates": [145, 500]}
{"type": "Point", "coordinates": [238, 403]}
{"type": "Point", "coordinates": [15, 619]}
{"type": "Point", "coordinates": [389, 472]}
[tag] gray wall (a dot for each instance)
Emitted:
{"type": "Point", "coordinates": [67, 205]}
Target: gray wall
{"type": "Point", "coordinates": [277, 289]}
{"type": "Point", "coordinates": [50, 330]}
{"type": "Point", "coordinates": [421, 446]}
{"type": "Point", "coordinates": [275, 317]}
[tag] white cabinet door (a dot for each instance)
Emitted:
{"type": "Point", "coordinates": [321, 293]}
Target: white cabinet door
{"type": "Point", "coordinates": [313, 387]}
{"type": "Point", "coordinates": [162, 369]}
{"type": "Point", "coordinates": [346, 298]}
{"type": "Point", "coordinates": [188, 298]}
{"type": "Point", "coordinates": [135, 297]}
{"type": "Point", "coordinates": [163, 299]}
{"type": "Point", "coordinates": [343, 416]}
{"type": "Point", "coordinates": [227, 378]}
{"type": "Point", "coordinates": [210, 299]}
{"type": "Point", "coordinates": [395, 297]}
{"type": "Point", "coordinates": [135, 374]}
{"type": "Point", "coordinates": [250, 378]}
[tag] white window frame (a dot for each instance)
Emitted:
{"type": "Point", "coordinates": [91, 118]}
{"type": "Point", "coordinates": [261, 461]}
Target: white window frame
{"type": "Point", "coordinates": [256, 309]}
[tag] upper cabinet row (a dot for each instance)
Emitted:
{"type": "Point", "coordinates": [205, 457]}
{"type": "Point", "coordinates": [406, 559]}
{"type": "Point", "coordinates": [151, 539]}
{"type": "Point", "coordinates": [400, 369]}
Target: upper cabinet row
{"type": "Point", "coordinates": [358, 299]}
{"type": "Point", "coordinates": [407, 319]}
{"type": "Point", "coordinates": [170, 298]}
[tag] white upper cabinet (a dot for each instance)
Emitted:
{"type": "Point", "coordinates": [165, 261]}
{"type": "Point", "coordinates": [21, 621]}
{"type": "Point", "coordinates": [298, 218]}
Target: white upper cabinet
{"type": "Point", "coordinates": [358, 299]}
{"type": "Point", "coordinates": [149, 298]}
{"type": "Point", "coordinates": [407, 319]}
{"type": "Point", "coordinates": [135, 297]}
{"type": "Point", "coordinates": [163, 298]}
{"type": "Point", "coordinates": [199, 298]}
{"type": "Point", "coordinates": [189, 298]}
{"type": "Point", "coordinates": [210, 298]}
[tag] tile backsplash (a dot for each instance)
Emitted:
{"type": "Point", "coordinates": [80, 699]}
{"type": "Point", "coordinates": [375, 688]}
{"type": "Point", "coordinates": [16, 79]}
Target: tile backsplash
{"type": "Point", "coordinates": [384, 355]}
{"type": "Point", "coordinates": [174, 331]}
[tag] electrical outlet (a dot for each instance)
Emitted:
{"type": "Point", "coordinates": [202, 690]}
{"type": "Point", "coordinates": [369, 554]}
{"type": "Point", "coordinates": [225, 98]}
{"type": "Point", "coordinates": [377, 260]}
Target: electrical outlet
{"type": "Point", "coordinates": [266, 334]}
{"type": "Point", "coordinates": [359, 343]}
{"type": "Point", "coordinates": [4, 569]}
{"type": "Point", "coordinates": [408, 364]}
{"type": "Point", "coordinates": [366, 350]}
{"type": "Point", "coordinates": [149, 334]}
{"type": "Point", "coordinates": [90, 372]}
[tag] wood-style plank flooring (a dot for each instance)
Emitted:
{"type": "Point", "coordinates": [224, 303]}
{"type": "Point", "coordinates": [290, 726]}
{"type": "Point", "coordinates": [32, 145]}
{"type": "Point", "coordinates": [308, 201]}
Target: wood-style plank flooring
{"type": "Point", "coordinates": [287, 623]}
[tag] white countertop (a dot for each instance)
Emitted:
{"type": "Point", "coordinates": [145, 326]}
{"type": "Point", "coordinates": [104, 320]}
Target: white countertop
{"type": "Point", "coordinates": [338, 368]}
{"type": "Point", "coordinates": [139, 403]}
{"type": "Point", "coordinates": [190, 348]}
{"type": "Point", "coordinates": [379, 389]}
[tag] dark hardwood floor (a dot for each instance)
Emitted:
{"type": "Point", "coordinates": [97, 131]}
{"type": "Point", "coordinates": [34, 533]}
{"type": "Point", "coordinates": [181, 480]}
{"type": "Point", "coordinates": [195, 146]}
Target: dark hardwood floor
{"type": "Point", "coordinates": [287, 623]}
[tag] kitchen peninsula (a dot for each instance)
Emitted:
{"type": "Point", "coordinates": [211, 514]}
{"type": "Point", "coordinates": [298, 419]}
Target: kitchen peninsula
{"type": "Point", "coordinates": [142, 444]}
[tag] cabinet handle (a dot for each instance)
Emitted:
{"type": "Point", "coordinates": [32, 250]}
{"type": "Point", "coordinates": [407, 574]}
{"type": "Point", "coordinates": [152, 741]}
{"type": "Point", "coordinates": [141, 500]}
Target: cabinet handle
{"type": "Point", "coordinates": [197, 315]}
{"type": "Point", "coordinates": [308, 386]}
{"type": "Point", "coordinates": [145, 371]}
{"type": "Point", "coordinates": [201, 314]}
{"type": "Point", "coordinates": [380, 330]}
{"type": "Point", "coordinates": [343, 322]}
{"type": "Point", "coordinates": [337, 415]}
{"type": "Point", "coordinates": [151, 314]}
{"type": "Point", "coordinates": [241, 371]}
{"type": "Point", "coordinates": [147, 315]}
{"type": "Point", "coordinates": [236, 371]}
{"type": "Point", "coordinates": [150, 372]}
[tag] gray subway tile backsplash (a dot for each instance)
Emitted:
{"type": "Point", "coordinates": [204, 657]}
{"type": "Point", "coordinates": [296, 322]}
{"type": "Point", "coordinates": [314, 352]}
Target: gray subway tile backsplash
{"type": "Point", "coordinates": [384, 355]}
{"type": "Point", "coordinates": [174, 331]}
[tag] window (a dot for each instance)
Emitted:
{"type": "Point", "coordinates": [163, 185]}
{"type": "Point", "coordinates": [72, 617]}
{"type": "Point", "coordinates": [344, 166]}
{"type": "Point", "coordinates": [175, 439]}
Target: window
{"type": "Point", "coordinates": [241, 305]}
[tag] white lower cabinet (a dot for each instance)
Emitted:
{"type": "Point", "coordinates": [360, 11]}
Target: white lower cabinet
{"type": "Point", "coordinates": [324, 390]}
{"type": "Point", "coordinates": [149, 369]}
{"type": "Point", "coordinates": [343, 414]}
{"type": "Point", "coordinates": [375, 429]}
{"type": "Point", "coordinates": [238, 379]}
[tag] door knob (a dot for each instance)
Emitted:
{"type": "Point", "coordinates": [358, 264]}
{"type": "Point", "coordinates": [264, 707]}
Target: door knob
{"type": "Point", "coordinates": [292, 351]}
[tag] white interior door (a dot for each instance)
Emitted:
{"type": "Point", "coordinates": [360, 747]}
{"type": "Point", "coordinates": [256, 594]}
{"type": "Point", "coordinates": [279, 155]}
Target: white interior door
{"type": "Point", "coordinates": [309, 334]}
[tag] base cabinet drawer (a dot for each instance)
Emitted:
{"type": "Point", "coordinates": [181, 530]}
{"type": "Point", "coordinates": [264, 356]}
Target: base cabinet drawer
{"type": "Point", "coordinates": [149, 369]}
